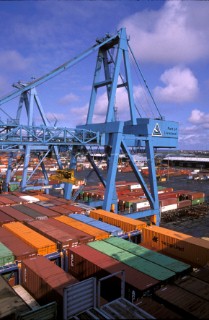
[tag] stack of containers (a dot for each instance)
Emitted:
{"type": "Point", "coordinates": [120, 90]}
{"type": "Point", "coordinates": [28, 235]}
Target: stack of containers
{"type": "Point", "coordinates": [149, 268]}
{"type": "Point", "coordinates": [125, 223]}
{"type": "Point", "coordinates": [19, 248]}
{"type": "Point", "coordinates": [192, 250]}
{"type": "Point", "coordinates": [112, 230]}
{"type": "Point", "coordinates": [64, 236]}
{"type": "Point", "coordinates": [17, 215]}
{"type": "Point", "coordinates": [84, 262]}
{"type": "Point", "coordinates": [97, 233]}
{"type": "Point", "coordinates": [42, 244]}
{"type": "Point", "coordinates": [45, 281]}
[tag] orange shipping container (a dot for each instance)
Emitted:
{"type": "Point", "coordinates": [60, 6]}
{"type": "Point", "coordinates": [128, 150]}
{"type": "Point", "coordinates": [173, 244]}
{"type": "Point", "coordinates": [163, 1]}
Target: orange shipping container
{"type": "Point", "coordinates": [125, 223]}
{"type": "Point", "coordinates": [176, 244]}
{"type": "Point", "coordinates": [97, 233]}
{"type": "Point", "coordinates": [42, 244]}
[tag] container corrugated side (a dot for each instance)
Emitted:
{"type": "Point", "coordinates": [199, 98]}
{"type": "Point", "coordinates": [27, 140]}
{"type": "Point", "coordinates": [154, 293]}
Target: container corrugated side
{"type": "Point", "coordinates": [42, 244]}
{"type": "Point", "coordinates": [147, 267]}
{"type": "Point", "coordinates": [155, 257]}
{"type": "Point", "coordinates": [97, 233]}
{"type": "Point", "coordinates": [192, 250]}
{"type": "Point", "coordinates": [19, 248]}
{"type": "Point", "coordinates": [85, 262]}
{"type": "Point", "coordinates": [125, 223]}
{"type": "Point", "coordinates": [6, 255]}
{"type": "Point", "coordinates": [11, 304]}
{"type": "Point", "coordinates": [45, 281]}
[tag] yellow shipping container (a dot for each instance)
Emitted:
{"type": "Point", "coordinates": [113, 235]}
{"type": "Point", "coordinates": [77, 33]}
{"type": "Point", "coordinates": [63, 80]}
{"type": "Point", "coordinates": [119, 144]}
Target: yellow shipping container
{"type": "Point", "coordinates": [125, 223]}
{"type": "Point", "coordinates": [42, 244]}
{"type": "Point", "coordinates": [93, 231]}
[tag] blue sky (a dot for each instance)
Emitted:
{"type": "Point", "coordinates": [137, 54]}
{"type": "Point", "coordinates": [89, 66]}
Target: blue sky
{"type": "Point", "coordinates": [169, 40]}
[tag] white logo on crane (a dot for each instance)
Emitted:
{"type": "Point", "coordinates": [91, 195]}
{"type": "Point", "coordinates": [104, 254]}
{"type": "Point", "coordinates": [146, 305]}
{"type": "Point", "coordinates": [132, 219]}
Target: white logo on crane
{"type": "Point", "coordinates": [157, 131]}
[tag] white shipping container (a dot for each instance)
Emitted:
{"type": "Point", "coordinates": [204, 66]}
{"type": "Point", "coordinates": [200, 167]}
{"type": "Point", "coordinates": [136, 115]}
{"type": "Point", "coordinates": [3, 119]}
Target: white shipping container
{"type": "Point", "coordinates": [25, 295]}
{"type": "Point", "coordinates": [169, 207]}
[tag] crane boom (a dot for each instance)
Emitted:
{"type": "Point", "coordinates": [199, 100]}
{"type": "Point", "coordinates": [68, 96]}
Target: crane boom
{"type": "Point", "coordinates": [58, 70]}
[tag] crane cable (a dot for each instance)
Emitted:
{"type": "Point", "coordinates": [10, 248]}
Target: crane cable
{"type": "Point", "coordinates": [145, 82]}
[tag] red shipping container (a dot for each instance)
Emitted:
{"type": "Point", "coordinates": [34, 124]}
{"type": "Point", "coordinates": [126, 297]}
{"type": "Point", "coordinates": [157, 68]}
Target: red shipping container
{"type": "Point", "coordinates": [47, 212]}
{"type": "Point", "coordinates": [45, 281]}
{"type": "Point", "coordinates": [4, 218]}
{"type": "Point", "coordinates": [19, 248]}
{"type": "Point", "coordinates": [17, 215]}
{"type": "Point", "coordinates": [84, 262]}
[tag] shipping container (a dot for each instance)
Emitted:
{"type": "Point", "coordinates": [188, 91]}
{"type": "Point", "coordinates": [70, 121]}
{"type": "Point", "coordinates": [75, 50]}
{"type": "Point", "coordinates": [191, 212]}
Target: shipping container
{"type": "Point", "coordinates": [60, 210]}
{"type": "Point", "coordinates": [4, 218]}
{"type": "Point", "coordinates": [6, 255]}
{"type": "Point", "coordinates": [45, 281]}
{"type": "Point", "coordinates": [40, 209]}
{"type": "Point", "coordinates": [125, 223]}
{"type": "Point", "coordinates": [201, 273]}
{"type": "Point", "coordinates": [85, 262]}
{"type": "Point", "coordinates": [114, 231]}
{"type": "Point", "coordinates": [14, 198]}
{"type": "Point", "coordinates": [30, 212]}
{"type": "Point", "coordinates": [57, 235]}
{"type": "Point", "coordinates": [42, 244]}
{"type": "Point", "coordinates": [19, 248]}
{"type": "Point", "coordinates": [6, 201]}
{"type": "Point", "coordinates": [17, 215]}
{"type": "Point", "coordinates": [142, 265]}
{"type": "Point", "coordinates": [189, 305]}
{"type": "Point", "coordinates": [184, 203]}
{"type": "Point", "coordinates": [95, 232]}
{"type": "Point", "coordinates": [194, 285]}
{"type": "Point", "coordinates": [192, 250]}
{"type": "Point", "coordinates": [157, 309]}
{"type": "Point", "coordinates": [79, 235]}
{"type": "Point", "coordinates": [155, 257]}
{"type": "Point", "coordinates": [11, 304]}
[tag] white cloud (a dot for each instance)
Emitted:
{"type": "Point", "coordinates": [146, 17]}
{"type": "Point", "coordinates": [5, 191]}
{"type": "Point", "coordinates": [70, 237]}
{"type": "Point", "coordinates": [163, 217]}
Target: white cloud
{"type": "Point", "coordinates": [180, 86]}
{"type": "Point", "coordinates": [199, 118]}
{"type": "Point", "coordinates": [67, 99]}
{"type": "Point", "coordinates": [176, 33]}
{"type": "Point", "coordinates": [13, 61]}
{"type": "Point", "coordinates": [192, 137]}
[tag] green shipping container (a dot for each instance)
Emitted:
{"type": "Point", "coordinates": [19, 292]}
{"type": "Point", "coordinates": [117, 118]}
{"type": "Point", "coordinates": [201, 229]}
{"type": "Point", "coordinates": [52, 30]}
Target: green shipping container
{"type": "Point", "coordinates": [152, 256]}
{"type": "Point", "coordinates": [6, 255]}
{"type": "Point", "coordinates": [198, 201]}
{"type": "Point", "coordinates": [133, 261]}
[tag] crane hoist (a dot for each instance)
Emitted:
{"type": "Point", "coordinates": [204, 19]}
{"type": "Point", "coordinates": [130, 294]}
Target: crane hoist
{"type": "Point", "coordinates": [111, 134]}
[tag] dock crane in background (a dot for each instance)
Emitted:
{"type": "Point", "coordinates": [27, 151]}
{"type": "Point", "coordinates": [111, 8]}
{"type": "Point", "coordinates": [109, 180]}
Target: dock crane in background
{"type": "Point", "coordinates": [112, 135]}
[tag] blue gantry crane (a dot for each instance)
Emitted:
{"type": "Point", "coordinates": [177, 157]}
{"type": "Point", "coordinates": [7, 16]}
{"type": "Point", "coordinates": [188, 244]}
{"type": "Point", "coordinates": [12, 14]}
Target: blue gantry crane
{"type": "Point", "coordinates": [113, 135]}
